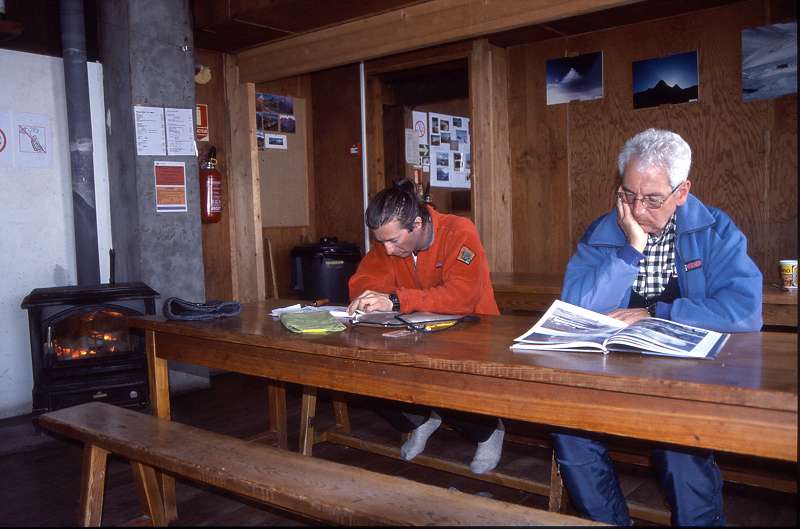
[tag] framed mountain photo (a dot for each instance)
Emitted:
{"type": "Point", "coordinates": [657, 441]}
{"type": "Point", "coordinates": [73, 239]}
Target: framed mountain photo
{"type": "Point", "coordinates": [666, 80]}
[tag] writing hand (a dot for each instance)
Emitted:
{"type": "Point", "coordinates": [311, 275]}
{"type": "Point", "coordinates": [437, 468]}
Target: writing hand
{"type": "Point", "coordinates": [633, 231]}
{"type": "Point", "coordinates": [629, 315]}
{"type": "Point", "coordinates": [370, 301]}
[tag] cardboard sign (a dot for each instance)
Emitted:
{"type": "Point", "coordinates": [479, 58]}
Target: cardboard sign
{"type": "Point", "coordinates": [201, 118]}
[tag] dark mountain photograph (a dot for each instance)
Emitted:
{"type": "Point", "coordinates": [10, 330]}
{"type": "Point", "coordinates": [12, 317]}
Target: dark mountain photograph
{"type": "Point", "coordinates": [665, 80]}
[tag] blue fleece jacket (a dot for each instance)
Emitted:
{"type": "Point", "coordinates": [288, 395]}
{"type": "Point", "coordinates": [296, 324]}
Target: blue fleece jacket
{"type": "Point", "coordinates": [720, 285]}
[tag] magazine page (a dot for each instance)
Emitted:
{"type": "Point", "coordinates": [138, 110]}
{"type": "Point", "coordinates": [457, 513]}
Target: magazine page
{"type": "Point", "coordinates": [564, 323]}
{"type": "Point", "coordinates": [657, 336]}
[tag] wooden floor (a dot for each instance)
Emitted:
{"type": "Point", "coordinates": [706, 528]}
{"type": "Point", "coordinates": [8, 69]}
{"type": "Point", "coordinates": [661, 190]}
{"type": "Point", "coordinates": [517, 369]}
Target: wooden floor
{"type": "Point", "coordinates": [40, 475]}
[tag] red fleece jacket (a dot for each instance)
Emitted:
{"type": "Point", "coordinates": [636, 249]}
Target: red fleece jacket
{"type": "Point", "coordinates": [450, 277]}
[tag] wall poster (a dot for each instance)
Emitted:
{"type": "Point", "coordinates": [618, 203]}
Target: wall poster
{"type": "Point", "coordinates": [170, 180]}
{"type": "Point", "coordinates": [450, 149]}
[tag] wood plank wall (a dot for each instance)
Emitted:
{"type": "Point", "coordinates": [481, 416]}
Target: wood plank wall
{"type": "Point", "coordinates": [337, 125]}
{"type": "Point", "coordinates": [563, 157]}
{"type": "Point", "coordinates": [216, 236]}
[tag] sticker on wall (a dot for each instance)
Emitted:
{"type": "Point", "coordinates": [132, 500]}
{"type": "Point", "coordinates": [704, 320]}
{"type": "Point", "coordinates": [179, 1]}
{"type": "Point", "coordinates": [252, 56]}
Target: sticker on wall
{"type": "Point", "coordinates": [170, 180]}
{"type": "Point", "coordinates": [578, 78]}
{"type": "Point", "coordinates": [769, 61]}
{"type": "Point", "coordinates": [666, 80]}
{"type": "Point", "coordinates": [32, 136]}
{"type": "Point", "coordinates": [201, 118]}
{"type": "Point", "coordinates": [6, 149]}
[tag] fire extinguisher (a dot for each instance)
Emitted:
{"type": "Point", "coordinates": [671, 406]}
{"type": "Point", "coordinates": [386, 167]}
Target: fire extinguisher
{"type": "Point", "coordinates": [210, 189]}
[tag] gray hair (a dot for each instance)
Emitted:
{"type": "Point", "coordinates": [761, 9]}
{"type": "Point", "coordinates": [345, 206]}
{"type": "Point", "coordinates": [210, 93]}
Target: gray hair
{"type": "Point", "coordinates": [660, 148]}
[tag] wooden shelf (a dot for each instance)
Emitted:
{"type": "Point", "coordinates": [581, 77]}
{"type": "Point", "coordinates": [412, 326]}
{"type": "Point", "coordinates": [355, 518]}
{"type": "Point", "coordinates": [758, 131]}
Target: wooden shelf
{"type": "Point", "coordinates": [9, 29]}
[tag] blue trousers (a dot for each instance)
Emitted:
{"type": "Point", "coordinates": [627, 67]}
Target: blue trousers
{"type": "Point", "coordinates": [692, 483]}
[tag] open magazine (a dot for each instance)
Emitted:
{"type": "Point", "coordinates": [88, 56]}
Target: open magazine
{"type": "Point", "coordinates": [417, 320]}
{"type": "Point", "coordinates": [566, 327]}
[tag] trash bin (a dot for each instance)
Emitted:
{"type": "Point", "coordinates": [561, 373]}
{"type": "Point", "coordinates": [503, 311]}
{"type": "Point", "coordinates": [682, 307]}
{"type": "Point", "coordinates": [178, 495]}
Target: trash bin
{"type": "Point", "coordinates": [322, 270]}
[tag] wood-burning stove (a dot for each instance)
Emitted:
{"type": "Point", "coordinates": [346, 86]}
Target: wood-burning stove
{"type": "Point", "coordinates": [82, 348]}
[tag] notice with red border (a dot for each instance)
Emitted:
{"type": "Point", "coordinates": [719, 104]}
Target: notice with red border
{"type": "Point", "coordinates": [170, 180]}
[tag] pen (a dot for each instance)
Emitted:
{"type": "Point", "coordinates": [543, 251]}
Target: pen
{"type": "Point", "coordinates": [437, 326]}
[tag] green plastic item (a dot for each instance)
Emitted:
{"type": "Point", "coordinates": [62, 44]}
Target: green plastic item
{"type": "Point", "coordinates": [311, 322]}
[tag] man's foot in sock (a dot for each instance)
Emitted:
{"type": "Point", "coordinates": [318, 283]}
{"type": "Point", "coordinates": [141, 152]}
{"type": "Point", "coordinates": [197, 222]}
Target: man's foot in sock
{"type": "Point", "coordinates": [419, 437]}
{"type": "Point", "coordinates": [488, 452]}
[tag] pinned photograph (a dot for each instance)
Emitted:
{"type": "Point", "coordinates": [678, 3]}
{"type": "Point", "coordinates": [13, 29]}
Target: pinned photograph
{"type": "Point", "coordinates": [456, 121]}
{"type": "Point", "coordinates": [445, 137]}
{"type": "Point", "coordinates": [270, 121]}
{"type": "Point", "coordinates": [769, 61]}
{"type": "Point", "coordinates": [274, 103]}
{"type": "Point", "coordinates": [287, 124]}
{"type": "Point", "coordinates": [458, 163]}
{"type": "Point", "coordinates": [434, 125]}
{"type": "Point", "coordinates": [462, 136]}
{"type": "Point", "coordinates": [275, 141]}
{"type": "Point", "coordinates": [442, 174]}
{"type": "Point", "coordinates": [434, 139]}
{"type": "Point", "coordinates": [444, 125]}
{"type": "Point", "coordinates": [577, 78]}
{"type": "Point", "coordinates": [442, 159]}
{"type": "Point", "coordinates": [667, 80]}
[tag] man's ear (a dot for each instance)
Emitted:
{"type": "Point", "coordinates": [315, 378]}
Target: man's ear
{"type": "Point", "coordinates": [683, 193]}
{"type": "Point", "coordinates": [417, 223]}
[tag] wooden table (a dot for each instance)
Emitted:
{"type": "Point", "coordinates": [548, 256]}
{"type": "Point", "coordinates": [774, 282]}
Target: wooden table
{"type": "Point", "coordinates": [744, 402]}
{"type": "Point", "coordinates": [536, 292]}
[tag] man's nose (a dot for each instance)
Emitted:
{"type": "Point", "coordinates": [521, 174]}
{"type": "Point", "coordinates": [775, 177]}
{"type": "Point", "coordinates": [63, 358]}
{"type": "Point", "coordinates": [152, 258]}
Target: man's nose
{"type": "Point", "coordinates": [638, 207]}
{"type": "Point", "coordinates": [389, 247]}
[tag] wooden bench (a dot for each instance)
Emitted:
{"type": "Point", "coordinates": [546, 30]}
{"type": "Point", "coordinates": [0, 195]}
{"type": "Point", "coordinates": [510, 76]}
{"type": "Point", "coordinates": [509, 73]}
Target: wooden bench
{"type": "Point", "coordinates": [315, 488]}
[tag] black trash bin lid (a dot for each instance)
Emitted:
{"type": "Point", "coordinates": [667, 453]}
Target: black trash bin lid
{"type": "Point", "coordinates": [327, 246]}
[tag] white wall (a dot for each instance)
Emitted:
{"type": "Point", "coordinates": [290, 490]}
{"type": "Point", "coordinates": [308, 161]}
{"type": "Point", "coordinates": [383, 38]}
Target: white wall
{"type": "Point", "coordinates": [37, 244]}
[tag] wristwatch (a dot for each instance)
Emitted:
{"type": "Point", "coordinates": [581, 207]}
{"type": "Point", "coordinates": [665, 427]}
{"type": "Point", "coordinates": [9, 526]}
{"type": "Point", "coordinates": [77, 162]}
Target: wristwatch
{"type": "Point", "coordinates": [651, 309]}
{"type": "Point", "coordinates": [395, 302]}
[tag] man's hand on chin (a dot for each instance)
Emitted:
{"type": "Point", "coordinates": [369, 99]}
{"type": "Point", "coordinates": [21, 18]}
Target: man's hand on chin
{"type": "Point", "coordinates": [629, 315]}
{"type": "Point", "coordinates": [370, 301]}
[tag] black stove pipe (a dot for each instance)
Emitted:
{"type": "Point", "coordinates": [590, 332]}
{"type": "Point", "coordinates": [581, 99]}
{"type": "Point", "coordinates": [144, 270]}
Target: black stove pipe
{"type": "Point", "coordinates": [76, 82]}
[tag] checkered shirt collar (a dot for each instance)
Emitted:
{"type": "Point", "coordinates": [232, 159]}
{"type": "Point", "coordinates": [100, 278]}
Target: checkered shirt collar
{"type": "Point", "coordinates": [658, 265]}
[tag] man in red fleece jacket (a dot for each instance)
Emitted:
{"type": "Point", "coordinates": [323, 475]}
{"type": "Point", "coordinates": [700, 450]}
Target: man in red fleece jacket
{"type": "Point", "coordinates": [432, 262]}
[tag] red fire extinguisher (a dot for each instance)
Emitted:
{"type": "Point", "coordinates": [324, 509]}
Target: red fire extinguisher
{"type": "Point", "coordinates": [210, 189]}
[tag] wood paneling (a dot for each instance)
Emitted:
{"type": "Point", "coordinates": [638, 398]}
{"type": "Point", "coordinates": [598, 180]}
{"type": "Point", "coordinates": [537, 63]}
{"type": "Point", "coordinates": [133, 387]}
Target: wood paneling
{"type": "Point", "coordinates": [564, 156]}
{"type": "Point", "coordinates": [420, 25]}
{"type": "Point", "coordinates": [216, 236]}
{"type": "Point", "coordinates": [491, 172]}
{"type": "Point", "coordinates": [337, 125]}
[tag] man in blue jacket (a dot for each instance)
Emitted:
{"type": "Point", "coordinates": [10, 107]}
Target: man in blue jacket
{"type": "Point", "coordinates": [659, 253]}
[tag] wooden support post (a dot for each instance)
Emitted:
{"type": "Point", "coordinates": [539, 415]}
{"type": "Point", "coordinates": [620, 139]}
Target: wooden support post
{"type": "Point", "coordinates": [93, 481]}
{"type": "Point", "coordinates": [247, 247]}
{"type": "Point", "coordinates": [146, 481]}
{"type": "Point", "coordinates": [276, 394]}
{"type": "Point", "coordinates": [308, 409]}
{"type": "Point", "coordinates": [490, 153]}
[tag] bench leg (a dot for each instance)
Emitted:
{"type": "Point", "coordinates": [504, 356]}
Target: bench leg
{"type": "Point", "coordinates": [340, 412]}
{"type": "Point", "coordinates": [149, 493]}
{"type": "Point", "coordinates": [276, 395]}
{"type": "Point", "coordinates": [307, 411]}
{"type": "Point", "coordinates": [557, 498]}
{"type": "Point", "coordinates": [158, 377]}
{"type": "Point", "coordinates": [93, 482]}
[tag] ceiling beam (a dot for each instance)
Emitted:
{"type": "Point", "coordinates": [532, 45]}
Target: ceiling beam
{"type": "Point", "coordinates": [417, 26]}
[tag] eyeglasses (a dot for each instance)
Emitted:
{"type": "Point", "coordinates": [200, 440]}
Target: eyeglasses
{"type": "Point", "coordinates": [649, 201]}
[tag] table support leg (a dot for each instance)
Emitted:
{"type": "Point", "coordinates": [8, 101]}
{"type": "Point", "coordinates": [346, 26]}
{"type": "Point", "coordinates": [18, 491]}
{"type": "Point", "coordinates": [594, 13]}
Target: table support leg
{"type": "Point", "coordinates": [276, 394]}
{"type": "Point", "coordinates": [308, 409]}
{"type": "Point", "coordinates": [556, 501]}
{"type": "Point", "coordinates": [340, 412]}
{"type": "Point", "coordinates": [158, 375]}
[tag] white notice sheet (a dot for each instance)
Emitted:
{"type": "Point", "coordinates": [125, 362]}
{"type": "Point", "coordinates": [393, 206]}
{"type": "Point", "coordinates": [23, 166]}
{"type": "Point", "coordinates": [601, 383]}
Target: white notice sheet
{"type": "Point", "coordinates": [149, 122]}
{"type": "Point", "coordinates": [180, 132]}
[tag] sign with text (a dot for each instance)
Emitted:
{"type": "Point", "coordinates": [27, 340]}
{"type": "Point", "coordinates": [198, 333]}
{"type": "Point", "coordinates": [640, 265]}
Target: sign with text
{"type": "Point", "coordinates": [170, 179]}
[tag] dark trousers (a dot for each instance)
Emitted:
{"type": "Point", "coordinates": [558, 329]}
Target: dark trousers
{"type": "Point", "coordinates": [476, 428]}
{"type": "Point", "coordinates": [691, 482]}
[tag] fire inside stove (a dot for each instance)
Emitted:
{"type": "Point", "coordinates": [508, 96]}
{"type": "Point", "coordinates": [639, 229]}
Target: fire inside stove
{"type": "Point", "coordinates": [89, 335]}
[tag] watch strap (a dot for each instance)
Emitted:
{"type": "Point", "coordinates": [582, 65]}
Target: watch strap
{"type": "Point", "coordinates": [395, 302]}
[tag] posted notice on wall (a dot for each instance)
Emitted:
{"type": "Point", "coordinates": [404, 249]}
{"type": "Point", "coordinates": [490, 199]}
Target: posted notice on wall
{"type": "Point", "coordinates": [33, 138]}
{"type": "Point", "coordinates": [149, 124]}
{"type": "Point", "coordinates": [180, 132]}
{"type": "Point", "coordinates": [170, 178]}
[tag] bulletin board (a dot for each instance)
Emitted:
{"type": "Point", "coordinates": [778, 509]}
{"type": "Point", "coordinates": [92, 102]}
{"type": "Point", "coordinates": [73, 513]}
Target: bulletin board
{"type": "Point", "coordinates": [284, 176]}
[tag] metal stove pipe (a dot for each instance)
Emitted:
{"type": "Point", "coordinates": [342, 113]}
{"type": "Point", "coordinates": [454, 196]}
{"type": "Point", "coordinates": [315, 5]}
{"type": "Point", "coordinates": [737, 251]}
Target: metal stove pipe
{"type": "Point", "coordinates": [76, 82]}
